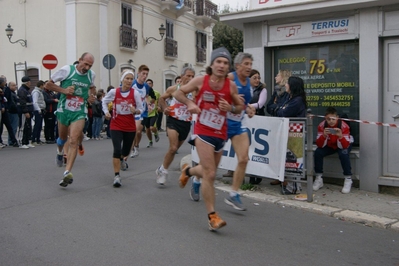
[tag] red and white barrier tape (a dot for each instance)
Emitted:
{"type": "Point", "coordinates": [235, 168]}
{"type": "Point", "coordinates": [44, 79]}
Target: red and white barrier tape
{"type": "Point", "coordinates": [362, 121]}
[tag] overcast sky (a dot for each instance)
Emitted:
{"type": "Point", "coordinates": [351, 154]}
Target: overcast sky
{"type": "Point", "coordinates": [234, 4]}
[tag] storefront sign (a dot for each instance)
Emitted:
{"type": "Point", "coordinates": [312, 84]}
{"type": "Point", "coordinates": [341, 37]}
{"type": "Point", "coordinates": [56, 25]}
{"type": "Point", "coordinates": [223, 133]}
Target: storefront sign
{"type": "Point", "coordinates": [309, 29]}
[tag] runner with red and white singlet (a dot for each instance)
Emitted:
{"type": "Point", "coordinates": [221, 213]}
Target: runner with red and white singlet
{"type": "Point", "coordinates": [215, 95]}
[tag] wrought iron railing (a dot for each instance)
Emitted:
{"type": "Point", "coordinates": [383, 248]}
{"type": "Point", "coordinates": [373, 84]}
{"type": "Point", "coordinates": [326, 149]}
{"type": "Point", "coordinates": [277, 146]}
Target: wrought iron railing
{"type": "Point", "coordinates": [170, 47]}
{"type": "Point", "coordinates": [201, 55]}
{"type": "Point", "coordinates": [206, 8]}
{"type": "Point", "coordinates": [127, 37]}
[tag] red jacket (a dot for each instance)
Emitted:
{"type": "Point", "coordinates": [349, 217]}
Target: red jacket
{"type": "Point", "coordinates": [332, 141]}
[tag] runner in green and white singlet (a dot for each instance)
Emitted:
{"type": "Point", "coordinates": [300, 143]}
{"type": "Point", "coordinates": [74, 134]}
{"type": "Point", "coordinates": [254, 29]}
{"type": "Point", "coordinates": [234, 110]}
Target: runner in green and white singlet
{"type": "Point", "coordinates": [77, 88]}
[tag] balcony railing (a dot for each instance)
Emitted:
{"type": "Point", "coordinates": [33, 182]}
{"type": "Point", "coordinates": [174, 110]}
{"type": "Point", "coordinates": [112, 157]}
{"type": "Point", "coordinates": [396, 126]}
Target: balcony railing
{"type": "Point", "coordinates": [201, 55]}
{"type": "Point", "coordinates": [127, 37]}
{"type": "Point", "coordinates": [206, 8]}
{"type": "Point", "coordinates": [170, 48]}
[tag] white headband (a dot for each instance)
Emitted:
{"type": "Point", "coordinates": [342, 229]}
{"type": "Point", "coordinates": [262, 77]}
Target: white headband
{"type": "Point", "coordinates": [126, 73]}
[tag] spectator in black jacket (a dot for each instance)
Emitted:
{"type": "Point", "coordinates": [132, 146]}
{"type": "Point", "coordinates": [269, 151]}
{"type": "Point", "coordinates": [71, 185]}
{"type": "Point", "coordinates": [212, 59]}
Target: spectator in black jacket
{"type": "Point", "coordinates": [5, 120]}
{"type": "Point", "coordinates": [26, 109]}
{"type": "Point", "coordinates": [279, 95]}
{"type": "Point", "coordinates": [13, 115]}
{"type": "Point", "coordinates": [49, 117]}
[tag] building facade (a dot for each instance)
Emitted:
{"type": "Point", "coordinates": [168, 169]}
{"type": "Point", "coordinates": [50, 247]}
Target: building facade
{"type": "Point", "coordinates": [347, 52]}
{"type": "Point", "coordinates": [126, 29]}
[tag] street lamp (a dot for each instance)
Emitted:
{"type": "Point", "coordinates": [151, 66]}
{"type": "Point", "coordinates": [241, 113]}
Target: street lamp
{"type": "Point", "coordinates": [9, 32]}
{"type": "Point", "coordinates": [162, 31]}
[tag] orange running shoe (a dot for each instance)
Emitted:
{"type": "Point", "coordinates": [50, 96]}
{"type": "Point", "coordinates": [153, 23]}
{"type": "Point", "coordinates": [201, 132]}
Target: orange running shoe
{"type": "Point", "coordinates": [183, 176]}
{"type": "Point", "coordinates": [81, 150]}
{"type": "Point", "coordinates": [215, 222]}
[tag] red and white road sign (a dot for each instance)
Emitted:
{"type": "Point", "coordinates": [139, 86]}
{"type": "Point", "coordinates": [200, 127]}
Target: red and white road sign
{"type": "Point", "coordinates": [49, 61]}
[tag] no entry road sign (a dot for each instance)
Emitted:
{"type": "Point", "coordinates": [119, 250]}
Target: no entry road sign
{"type": "Point", "coordinates": [50, 61]}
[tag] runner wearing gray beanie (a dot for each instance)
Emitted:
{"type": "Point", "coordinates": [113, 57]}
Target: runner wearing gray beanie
{"type": "Point", "coordinates": [220, 52]}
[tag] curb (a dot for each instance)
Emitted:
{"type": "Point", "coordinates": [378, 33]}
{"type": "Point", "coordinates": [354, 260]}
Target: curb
{"type": "Point", "coordinates": [345, 215]}
{"type": "Point", "coordinates": [342, 214]}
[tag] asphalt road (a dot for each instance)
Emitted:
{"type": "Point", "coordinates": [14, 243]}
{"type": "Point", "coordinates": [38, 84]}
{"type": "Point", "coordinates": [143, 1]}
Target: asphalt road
{"type": "Point", "coordinates": [141, 223]}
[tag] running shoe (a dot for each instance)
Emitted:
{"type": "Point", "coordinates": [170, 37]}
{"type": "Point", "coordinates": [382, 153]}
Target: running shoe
{"type": "Point", "coordinates": [195, 190]}
{"type": "Point", "coordinates": [59, 159]}
{"type": "Point", "coordinates": [149, 144]}
{"type": "Point", "coordinates": [21, 147]}
{"type": "Point", "coordinates": [124, 165]}
{"type": "Point", "coordinates": [156, 137]}
{"type": "Point", "coordinates": [81, 150]}
{"type": "Point", "coordinates": [235, 202]}
{"type": "Point", "coordinates": [161, 176]}
{"type": "Point", "coordinates": [117, 181]}
{"type": "Point", "coordinates": [183, 176]}
{"type": "Point", "coordinates": [67, 180]}
{"type": "Point", "coordinates": [215, 222]}
{"type": "Point", "coordinates": [30, 145]}
{"type": "Point", "coordinates": [135, 152]}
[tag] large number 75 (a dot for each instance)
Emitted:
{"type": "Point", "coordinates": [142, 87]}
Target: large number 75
{"type": "Point", "coordinates": [319, 65]}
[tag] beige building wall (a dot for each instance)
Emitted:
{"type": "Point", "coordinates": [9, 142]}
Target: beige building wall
{"type": "Point", "coordinates": [67, 28]}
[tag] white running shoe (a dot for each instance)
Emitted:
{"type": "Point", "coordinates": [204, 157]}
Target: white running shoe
{"type": "Point", "coordinates": [30, 145]}
{"type": "Point", "coordinates": [161, 176]}
{"type": "Point", "coordinates": [135, 152]}
{"type": "Point", "coordinates": [24, 147]}
{"type": "Point", "coordinates": [318, 183]}
{"type": "Point", "coordinates": [117, 181]}
{"type": "Point", "coordinates": [347, 186]}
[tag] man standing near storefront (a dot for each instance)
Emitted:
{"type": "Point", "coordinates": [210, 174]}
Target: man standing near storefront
{"type": "Point", "coordinates": [26, 110]}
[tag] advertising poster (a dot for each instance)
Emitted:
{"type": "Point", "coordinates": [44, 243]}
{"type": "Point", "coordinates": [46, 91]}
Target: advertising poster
{"type": "Point", "coordinates": [330, 72]}
{"type": "Point", "coordinates": [267, 151]}
{"type": "Point", "coordinates": [295, 149]}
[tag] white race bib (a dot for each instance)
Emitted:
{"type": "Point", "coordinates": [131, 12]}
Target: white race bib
{"type": "Point", "coordinates": [73, 103]}
{"type": "Point", "coordinates": [182, 113]}
{"type": "Point", "coordinates": [235, 117]}
{"type": "Point", "coordinates": [211, 119]}
{"type": "Point", "coordinates": [123, 108]}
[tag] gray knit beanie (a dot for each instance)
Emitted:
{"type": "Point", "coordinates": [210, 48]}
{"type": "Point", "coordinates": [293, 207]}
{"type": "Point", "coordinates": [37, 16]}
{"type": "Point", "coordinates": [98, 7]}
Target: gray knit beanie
{"type": "Point", "coordinates": [220, 52]}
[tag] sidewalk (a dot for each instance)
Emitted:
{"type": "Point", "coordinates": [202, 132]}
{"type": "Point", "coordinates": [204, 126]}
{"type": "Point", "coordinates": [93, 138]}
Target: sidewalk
{"type": "Point", "coordinates": [367, 208]}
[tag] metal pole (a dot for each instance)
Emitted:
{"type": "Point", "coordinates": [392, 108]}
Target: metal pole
{"type": "Point", "coordinates": [16, 76]}
{"type": "Point", "coordinates": [49, 74]}
{"type": "Point", "coordinates": [309, 157]}
{"type": "Point", "coordinates": [109, 69]}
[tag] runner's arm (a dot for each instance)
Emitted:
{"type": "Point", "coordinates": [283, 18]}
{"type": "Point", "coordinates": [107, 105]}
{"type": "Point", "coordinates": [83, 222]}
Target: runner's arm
{"type": "Point", "coordinates": [167, 94]}
{"type": "Point", "coordinates": [194, 85]}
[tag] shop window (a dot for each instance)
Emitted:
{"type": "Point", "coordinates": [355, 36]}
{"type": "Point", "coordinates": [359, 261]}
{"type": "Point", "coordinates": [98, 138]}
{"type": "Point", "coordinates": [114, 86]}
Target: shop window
{"type": "Point", "coordinates": [330, 72]}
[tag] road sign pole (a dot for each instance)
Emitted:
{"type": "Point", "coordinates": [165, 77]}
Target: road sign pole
{"type": "Point", "coordinates": [109, 70]}
{"type": "Point", "coordinates": [109, 63]}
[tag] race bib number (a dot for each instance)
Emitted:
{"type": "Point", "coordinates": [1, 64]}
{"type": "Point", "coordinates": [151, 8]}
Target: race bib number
{"type": "Point", "coordinates": [182, 113]}
{"type": "Point", "coordinates": [235, 117]}
{"type": "Point", "coordinates": [211, 119]}
{"type": "Point", "coordinates": [123, 108]}
{"type": "Point", "coordinates": [73, 103]}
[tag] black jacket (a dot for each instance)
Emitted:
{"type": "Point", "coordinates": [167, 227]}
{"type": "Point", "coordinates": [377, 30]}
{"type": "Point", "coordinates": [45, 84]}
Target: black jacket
{"type": "Point", "coordinates": [49, 98]}
{"type": "Point", "coordinates": [279, 97]}
{"type": "Point", "coordinates": [25, 99]}
{"type": "Point", "coordinates": [13, 103]}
